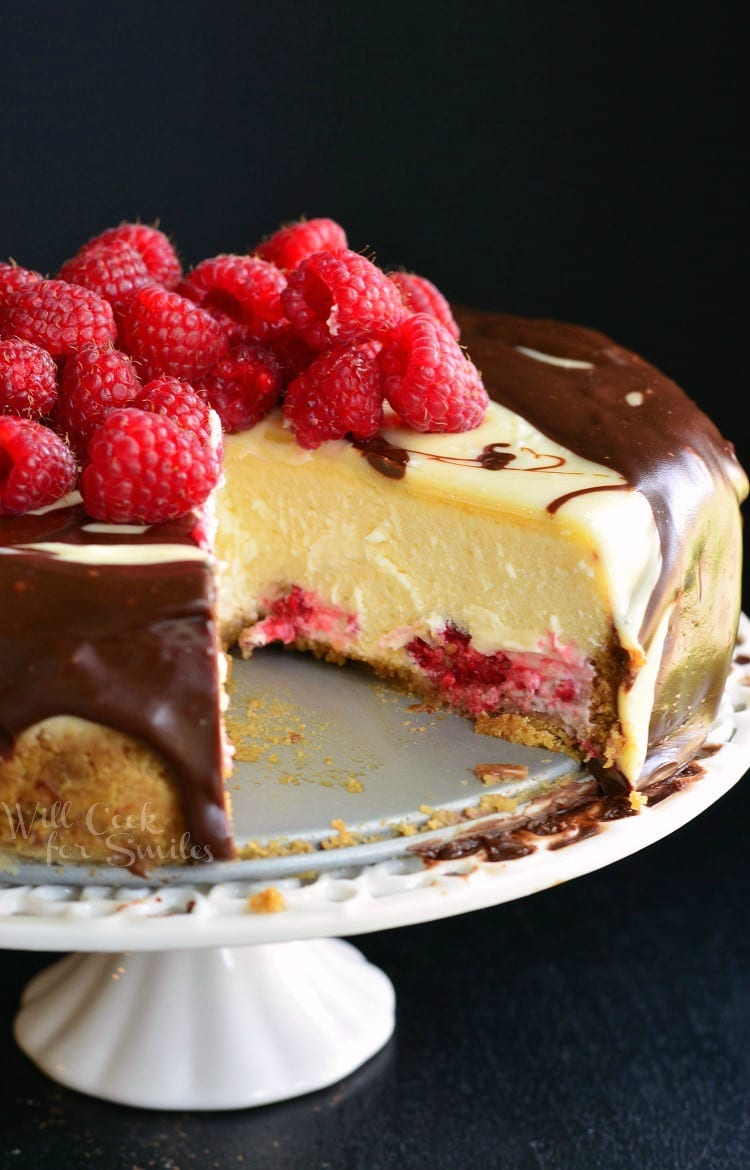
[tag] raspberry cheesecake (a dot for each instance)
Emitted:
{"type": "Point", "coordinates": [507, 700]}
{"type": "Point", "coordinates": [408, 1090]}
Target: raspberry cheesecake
{"type": "Point", "coordinates": [519, 520]}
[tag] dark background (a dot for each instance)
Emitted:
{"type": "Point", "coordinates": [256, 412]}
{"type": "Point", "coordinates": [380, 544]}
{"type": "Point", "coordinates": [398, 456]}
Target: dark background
{"type": "Point", "coordinates": [579, 161]}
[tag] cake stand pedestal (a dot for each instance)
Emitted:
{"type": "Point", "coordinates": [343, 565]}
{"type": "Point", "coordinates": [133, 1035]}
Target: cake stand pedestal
{"type": "Point", "coordinates": [221, 1028]}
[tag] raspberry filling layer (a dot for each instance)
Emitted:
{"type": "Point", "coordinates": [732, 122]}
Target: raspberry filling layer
{"type": "Point", "coordinates": [301, 613]}
{"type": "Point", "coordinates": [557, 680]}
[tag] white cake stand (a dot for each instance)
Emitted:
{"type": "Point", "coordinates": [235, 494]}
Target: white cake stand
{"type": "Point", "coordinates": [188, 996]}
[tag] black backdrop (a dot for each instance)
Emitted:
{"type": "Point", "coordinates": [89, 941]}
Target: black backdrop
{"type": "Point", "coordinates": [582, 161]}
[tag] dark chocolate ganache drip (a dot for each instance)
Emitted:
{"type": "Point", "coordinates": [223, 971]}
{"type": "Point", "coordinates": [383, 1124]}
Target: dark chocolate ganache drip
{"type": "Point", "coordinates": [619, 411]}
{"type": "Point", "coordinates": [132, 647]}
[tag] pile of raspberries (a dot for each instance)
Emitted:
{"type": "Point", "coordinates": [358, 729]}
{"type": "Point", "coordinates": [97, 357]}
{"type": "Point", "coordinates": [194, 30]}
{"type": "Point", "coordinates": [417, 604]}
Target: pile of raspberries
{"type": "Point", "coordinates": [113, 373]}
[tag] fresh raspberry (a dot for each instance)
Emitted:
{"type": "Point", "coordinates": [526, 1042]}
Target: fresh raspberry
{"type": "Point", "coordinates": [243, 386]}
{"type": "Point", "coordinates": [95, 381]}
{"type": "Point", "coordinates": [428, 379]}
{"type": "Point", "coordinates": [291, 351]}
{"type": "Point", "coordinates": [28, 379]}
{"type": "Point", "coordinates": [341, 393]}
{"type": "Point", "coordinates": [36, 466]}
{"type": "Point", "coordinates": [155, 247]}
{"type": "Point", "coordinates": [58, 316]}
{"type": "Point", "coordinates": [241, 292]}
{"type": "Point", "coordinates": [294, 242]}
{"type": "Point", "coordinates": [420, 295]}
{"type": "Point", "coordinates": [12, 277]}
{"type": "Point", "coordinates": [144, 468]}
{"type": "Point", "coordinates": [335, 298]}
{"type": "Point", "coordinates": [180, 402]}
{"type": "Point", "coordinates": [113, 269]}
{"type": "Point", "coordinates": [165, 333]}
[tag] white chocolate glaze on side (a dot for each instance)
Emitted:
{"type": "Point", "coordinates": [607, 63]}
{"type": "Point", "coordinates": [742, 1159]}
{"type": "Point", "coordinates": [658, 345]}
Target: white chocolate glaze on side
{"type": "Point", "coordinates": [112, 554]}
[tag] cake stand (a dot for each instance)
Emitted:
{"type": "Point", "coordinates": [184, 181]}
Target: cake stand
{"type": "Point", "coordinates": [229, 985]}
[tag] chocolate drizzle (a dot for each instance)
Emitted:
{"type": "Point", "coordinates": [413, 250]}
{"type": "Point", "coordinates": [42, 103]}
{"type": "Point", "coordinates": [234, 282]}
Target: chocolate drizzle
{"type": "Point", "coordinates": [604, 487]}
{"type": "Point", "coordinates": [495, 457]}
{"type": "Point", "coordinates": [392, 461]}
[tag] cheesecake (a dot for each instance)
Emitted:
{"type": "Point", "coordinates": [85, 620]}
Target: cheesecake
{"type": "Point", "coordinates": [565, 574]}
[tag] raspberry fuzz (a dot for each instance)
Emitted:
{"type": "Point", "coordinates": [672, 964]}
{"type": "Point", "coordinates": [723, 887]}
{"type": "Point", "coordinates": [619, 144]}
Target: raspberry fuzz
{"type": "Point", "coordinates": [36, 466]}
{"type": "Point", "coordinates": [113, 269]}
{"type": "Point", "coordinates": [180, 402]}
{"type": "Point", "coordinates": [13, 277]}
{"type": "Point", "coordinates": [165, 333]}
{"type": "Point", "coordinates": [95, 381]}
{"type": "Point", "coordinates": [155, 247]}
{"type": "Point", "coordinates": [243, 386]}
{"type": "Point", "coordinates": [339, 297]}
{"type": "Point", "coordinates": [58, 316]}
{"type": "Point", "coordinates": [339, 394]}
{"type": "Point", "coordinates": [28, 379]}
{"type": "Point", "coordinates": [242, 293]}
{"type": "Point", "coordinates": [144, 469]}
{"type": "Point", "coordinates": [294, 242]}
{"type": "Point", "coordinates": [428, 379]}
{"type": "Point", "coordinates": [420, 295]}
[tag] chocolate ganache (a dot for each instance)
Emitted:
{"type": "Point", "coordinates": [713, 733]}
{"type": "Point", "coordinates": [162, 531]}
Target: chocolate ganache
{"type": "Point", "coordinates": [116, 625]}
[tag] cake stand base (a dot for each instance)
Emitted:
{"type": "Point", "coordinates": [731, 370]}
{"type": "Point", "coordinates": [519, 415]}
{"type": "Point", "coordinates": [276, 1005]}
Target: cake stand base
{"type": "Point", "coordinates": [214, 1028]}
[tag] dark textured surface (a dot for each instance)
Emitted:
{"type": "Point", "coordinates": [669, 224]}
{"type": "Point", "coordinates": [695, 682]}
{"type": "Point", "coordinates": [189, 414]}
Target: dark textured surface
{"type": "Point", "coordinates": [601, 1025]}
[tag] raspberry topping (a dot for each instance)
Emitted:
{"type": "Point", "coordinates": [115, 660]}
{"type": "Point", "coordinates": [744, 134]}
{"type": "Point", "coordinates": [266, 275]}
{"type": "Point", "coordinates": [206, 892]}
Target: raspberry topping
{"type": "Point", "coordinates": [36, 466]}
{"type": "Point", "coordinates": [242, 293]}
{"type": "Point", "coordinates": [420, 295]}
{"type": "Point", "coordinates": [180, 402]}
{"type": "Point", "coordinates": [28, 379]}
{"type": "Point", "coordinates": [144, 468]}
{"type": "Point", "coordinates": [13, 277]}
{"type": "Point", "coordinates": [58, 316]}
{"type": "Point", "coordinates": [155, 247]}
{"type": "Point", "coordinates": [428, 379]}
{"type": "Point", "coordinates": [294, 242]}
{"type": "Point", "coordinates": [292, 352]}
{"type": "Point", "coordinates": [111, 268]}
{"type": "Point", "coordinates": [95, 381]}
{"type": "Point", "coordinates": [334, 298]}
{"type": "Point", "coordinates": [128, 362]}
{"type": "Point", "coordinates": [165, 333]}
{"type": "Point", "coordinates": [243, 386]}
{"type": "Point", "coordinates": [341, 393]}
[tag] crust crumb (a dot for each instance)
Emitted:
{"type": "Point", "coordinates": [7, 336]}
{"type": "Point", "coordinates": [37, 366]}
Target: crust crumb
{"type": "Point", "coordinates": [637, 800]}
{"type": "Point", "coordinates": [268, 901]}
{"type": "Point", "coordinates": [494, 773]}
{"type": "Point", "coordinates": [342, 837]}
